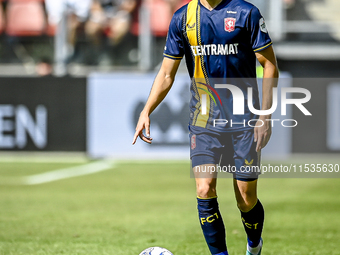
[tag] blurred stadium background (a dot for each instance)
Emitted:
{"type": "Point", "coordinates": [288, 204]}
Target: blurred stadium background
{"type": "Point", "coordinates": [74, 75]}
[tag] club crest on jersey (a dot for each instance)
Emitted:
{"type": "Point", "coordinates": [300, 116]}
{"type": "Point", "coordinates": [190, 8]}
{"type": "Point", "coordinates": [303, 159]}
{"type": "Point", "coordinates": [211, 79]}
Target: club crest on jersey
{"type": "Point", "coordinates": [229, 24]}
{"type": "Point", "coordinates": [193, 142]}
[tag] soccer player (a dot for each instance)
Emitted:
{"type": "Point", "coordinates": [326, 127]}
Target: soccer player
{"type": "Point", "coordinates": [221, 40]}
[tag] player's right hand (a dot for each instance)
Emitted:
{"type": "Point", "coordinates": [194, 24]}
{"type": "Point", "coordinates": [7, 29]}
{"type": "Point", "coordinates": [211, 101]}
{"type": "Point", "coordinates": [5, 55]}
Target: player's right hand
{"type": "Point", "coordinates": [143, 123]}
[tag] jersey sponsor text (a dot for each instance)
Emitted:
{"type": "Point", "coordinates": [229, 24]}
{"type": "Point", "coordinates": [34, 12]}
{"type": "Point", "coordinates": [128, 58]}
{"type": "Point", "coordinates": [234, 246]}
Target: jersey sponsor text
{"type": "Point", "coordinates": [215, 49]}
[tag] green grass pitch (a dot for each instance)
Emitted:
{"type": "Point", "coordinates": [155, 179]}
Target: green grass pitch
{"type": "Point", "coordinates": [133, 206]}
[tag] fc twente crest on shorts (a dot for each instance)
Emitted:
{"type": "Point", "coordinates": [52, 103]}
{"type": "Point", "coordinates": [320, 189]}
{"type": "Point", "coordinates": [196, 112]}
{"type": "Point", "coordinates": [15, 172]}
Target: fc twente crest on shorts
{"type": "Point", "coordinates": [193, 142]}
{"type": "Point", "coordinates": [229, 24]}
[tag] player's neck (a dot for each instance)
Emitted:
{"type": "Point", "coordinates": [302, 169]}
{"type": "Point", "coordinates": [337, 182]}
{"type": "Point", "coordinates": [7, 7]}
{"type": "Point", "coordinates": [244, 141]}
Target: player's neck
{"type": "Point", "coordinates": [210, 4]}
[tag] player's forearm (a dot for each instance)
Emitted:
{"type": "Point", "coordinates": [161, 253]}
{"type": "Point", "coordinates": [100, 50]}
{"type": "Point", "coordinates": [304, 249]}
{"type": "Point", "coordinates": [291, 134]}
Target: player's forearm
{"type": "Point", "coordinates": [159, 90]}
{"type": "Point", "coordinates": [161, 85]}
{"type": "Point", "coordinates": [270, 80]}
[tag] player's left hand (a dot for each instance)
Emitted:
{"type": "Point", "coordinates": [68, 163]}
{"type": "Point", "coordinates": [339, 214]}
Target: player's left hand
{"type": "Point", "coordinates": [262, 133]}
{"type": "Point", "coordinates": [143, 124]}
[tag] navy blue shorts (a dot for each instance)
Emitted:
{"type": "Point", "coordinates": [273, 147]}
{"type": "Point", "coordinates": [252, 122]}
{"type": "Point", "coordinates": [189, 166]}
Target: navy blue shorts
{"type": "Point", "coordinates": [231, 152]}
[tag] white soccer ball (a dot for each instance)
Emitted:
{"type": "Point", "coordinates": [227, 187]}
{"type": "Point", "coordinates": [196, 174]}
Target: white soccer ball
{"type": "Point", "coordinates": [155, 251]}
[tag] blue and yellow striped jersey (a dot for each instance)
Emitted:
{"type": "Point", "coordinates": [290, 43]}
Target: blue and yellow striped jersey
{"type": "Point", "coordinates": [219, 46]}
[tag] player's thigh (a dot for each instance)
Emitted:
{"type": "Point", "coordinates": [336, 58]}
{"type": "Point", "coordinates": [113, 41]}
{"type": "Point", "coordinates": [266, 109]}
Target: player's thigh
{"type": "Point", "coordinates": [247, 160]}
{"type": "Point", "coordinates": [205, 148]}
{"type": "Point", "coordinates": [205, 155]}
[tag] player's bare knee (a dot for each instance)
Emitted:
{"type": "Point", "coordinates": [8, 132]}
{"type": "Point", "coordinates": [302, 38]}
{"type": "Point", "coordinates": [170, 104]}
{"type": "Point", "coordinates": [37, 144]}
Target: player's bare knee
{"type": "Point", "coordinates": [206, 190]}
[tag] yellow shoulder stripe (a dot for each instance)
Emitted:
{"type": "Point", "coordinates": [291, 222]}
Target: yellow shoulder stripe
{"type": "Point", "coordinates": [169, 56]}
{"type": "Point", "coordinates": [262, 48]}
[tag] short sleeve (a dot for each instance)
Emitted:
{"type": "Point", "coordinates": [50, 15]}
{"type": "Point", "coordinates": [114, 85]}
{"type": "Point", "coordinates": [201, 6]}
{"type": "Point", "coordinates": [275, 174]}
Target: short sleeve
{"type": "Point", "coordinates": [174, 43]}
{"type": "Point", "coordinates": [260, 38]}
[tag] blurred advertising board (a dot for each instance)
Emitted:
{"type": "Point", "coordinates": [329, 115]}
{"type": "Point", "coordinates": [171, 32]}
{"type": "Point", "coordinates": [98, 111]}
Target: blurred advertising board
{"type": "Point", "coordinates": [43, 114]}
{"type": "Point", "coordinates": [114, 102]}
